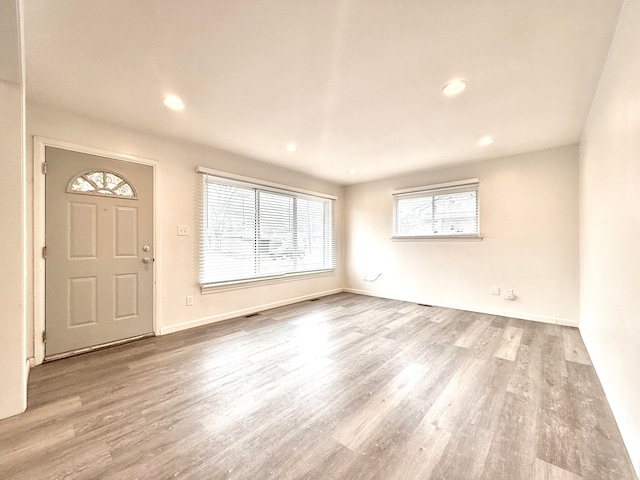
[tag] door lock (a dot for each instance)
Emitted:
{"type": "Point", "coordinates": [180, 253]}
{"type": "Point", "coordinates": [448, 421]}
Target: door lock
{"type": "Point", "coordinates": [146, 248]}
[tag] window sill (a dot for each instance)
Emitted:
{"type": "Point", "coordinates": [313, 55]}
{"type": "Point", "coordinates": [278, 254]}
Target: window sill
{"type": "Point", "coordinates": [443, 238]}
{"type": "Point", "coordinates": [258, 282]}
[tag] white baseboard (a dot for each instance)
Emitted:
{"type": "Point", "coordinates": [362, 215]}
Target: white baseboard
{"type": "Point", "coordinates": [240, 313]}
{"type": "Point", "coordinates": [474, 308]}
{"type": "Point", "coordinates": [258, 308]}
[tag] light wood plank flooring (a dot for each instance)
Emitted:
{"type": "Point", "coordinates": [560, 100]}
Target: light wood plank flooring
{"type": "Point", "coordinates": [345, 387]}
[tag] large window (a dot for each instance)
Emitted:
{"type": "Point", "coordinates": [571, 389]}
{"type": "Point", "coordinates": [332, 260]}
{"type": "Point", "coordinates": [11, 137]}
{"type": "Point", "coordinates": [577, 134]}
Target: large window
{"type": "Point", "coordinates": [437, 211]}
{"type": "Point", "coordinates": [250, 231]}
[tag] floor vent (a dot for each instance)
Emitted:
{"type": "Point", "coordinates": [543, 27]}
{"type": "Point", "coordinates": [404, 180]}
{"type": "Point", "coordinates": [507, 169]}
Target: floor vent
{"type": "Point", "coordinates": [251, 315]}
{"type": "Point", "coordinates": [314, 299]}
{"type": "Point", "coordinates": [424, 305]}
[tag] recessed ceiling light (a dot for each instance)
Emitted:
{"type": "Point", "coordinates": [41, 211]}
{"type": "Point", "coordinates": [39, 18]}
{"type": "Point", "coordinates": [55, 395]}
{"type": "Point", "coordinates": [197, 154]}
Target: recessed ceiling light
{"type": "Point", "coordinates": [352, 171]}
{"type": "Point", "coordinates": [486, 140]}
{"type": "Point", "coordinates": [292, 148]}
{"type": "Point", "coordinates": [173, 102]}
{"type": "Point", "coordinates": [454, 87]}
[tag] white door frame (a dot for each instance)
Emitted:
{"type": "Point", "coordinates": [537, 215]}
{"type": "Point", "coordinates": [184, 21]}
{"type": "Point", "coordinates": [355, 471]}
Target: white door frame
{"type": "Point", "coordinates": [39, 217]}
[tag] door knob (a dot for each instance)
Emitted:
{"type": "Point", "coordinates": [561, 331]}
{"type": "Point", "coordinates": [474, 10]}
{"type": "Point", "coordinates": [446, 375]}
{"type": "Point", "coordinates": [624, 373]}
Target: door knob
{"type": "Point", "coordinates": [146, 260]}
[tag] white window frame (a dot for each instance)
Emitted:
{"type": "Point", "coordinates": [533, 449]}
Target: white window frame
{"type": "Point", "coordinates": [231, 179]}
{"type": "Point", "coordinates": [472, 184]}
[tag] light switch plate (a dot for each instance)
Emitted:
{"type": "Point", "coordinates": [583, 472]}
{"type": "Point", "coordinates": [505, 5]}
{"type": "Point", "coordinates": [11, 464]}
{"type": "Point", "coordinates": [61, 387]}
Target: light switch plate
{"type": "Point", "coordinates": [183, 230]}
{"type": "Point", "coordinates": [494, 291]}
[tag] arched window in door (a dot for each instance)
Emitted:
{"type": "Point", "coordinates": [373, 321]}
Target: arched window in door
{"type": "Point", "coordinates": [102, 182]}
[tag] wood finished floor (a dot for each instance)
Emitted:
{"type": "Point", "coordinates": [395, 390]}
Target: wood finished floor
{"type": "Point", "coordinates": [345, 387]}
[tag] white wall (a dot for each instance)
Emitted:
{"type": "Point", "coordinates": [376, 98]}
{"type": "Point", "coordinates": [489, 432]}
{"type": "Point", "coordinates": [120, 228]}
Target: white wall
{"type": "Point", "coordinates": [177, 194]}
{"type": "Point", "coordinates": [12, 324]}
{"type": "Point", "coordinates": [529, 221]}
{"type": "Point", "coordinates": [610, 228]}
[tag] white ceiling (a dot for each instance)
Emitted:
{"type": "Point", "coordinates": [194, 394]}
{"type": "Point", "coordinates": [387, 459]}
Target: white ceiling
{"type": "Point", "coordinates": [354, 83]}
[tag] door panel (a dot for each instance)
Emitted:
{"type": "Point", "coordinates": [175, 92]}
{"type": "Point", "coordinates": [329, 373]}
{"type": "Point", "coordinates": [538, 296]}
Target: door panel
{"type": "Point", "coordinates": [126, 232]}
{"type": "Point", "coordinates": [82, 230]}
{"type": "Point", "coordinates": [125, 296]}
{"type": "Point", "coordinates": [82, 302]}
{"type": "Point", "coordinates": [98, 290]}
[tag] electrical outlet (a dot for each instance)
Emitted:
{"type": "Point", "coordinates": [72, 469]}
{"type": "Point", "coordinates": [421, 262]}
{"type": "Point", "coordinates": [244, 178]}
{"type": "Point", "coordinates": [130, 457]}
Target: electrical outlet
{"type": "Point", "coordinates": [508, 294]}
{"type": "Point", "coordinates": [189, 300]}
{"type": "Point", "coordinates": [183, 230]}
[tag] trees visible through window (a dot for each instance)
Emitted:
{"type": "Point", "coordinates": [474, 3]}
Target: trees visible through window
{"type": "Point", "coordinates": [439, 211]}
{"type": "Point", "coordinates": [250, 232]}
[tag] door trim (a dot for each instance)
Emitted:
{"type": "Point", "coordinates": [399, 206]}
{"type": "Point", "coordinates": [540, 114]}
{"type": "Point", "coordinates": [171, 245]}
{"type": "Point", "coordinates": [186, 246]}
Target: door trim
{"type": "Point", "coordinates": [39, 218]}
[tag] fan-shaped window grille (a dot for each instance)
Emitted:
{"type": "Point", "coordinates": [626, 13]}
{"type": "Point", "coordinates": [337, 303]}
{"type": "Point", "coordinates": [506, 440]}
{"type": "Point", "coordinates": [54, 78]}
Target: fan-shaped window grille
{"type": "Point", "coordinates": [102, 182]}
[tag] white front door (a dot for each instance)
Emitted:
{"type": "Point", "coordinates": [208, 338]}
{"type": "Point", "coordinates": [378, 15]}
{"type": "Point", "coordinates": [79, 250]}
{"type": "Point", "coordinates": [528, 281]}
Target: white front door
{"type": "Point", "coordinates": [99, 250]}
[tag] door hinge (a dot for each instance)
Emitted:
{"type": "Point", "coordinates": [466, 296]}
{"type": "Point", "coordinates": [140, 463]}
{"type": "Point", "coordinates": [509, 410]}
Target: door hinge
{"type": "Point", "coordinates": [44, 336]}
{"type": "Point", "coordinates": [44, 168]}
{"type": "Point", "coordinates": [44, 252]}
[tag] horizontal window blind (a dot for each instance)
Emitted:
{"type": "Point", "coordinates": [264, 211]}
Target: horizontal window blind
{"type": "Point", "coordinates": [444, 211]}
{"type": "Point", "coordinates": [249, 231]}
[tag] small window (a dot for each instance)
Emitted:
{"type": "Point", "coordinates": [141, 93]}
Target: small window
{"type": "Point", "coordinates": [438, 211]}
{"type": "Point", "coordinates": [250, 231]}
{"type": "Point", "coordinates": [101, 182]}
